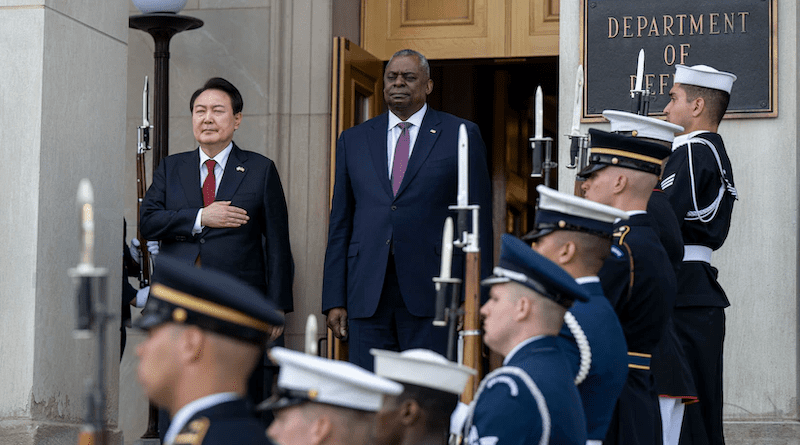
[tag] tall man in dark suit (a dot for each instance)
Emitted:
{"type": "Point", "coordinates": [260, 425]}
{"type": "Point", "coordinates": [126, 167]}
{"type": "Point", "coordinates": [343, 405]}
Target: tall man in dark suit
{"type": "Point", "coordinates": [223, 208]}
{"type": "Point", "coordinates": [396, 175]}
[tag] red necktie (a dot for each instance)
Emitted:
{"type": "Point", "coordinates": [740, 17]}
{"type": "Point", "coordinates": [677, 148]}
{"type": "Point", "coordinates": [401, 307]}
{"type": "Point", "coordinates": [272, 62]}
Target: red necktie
{"type": "Point", "coordinates": [210, 184]}
{"type": "Point", "coordinates": [400, 156]}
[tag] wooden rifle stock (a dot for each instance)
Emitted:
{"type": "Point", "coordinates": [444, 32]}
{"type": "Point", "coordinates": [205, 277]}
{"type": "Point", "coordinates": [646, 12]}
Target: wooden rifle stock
{"type": "Point", "coordinates": [141, 189]}
{"type": "Point", "coordinates": [337, 348]}
{"type": "Point", "coordinates": [473, 344]}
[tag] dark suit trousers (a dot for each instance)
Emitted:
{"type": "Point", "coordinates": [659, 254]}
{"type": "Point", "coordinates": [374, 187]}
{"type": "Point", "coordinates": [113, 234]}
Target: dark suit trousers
{"type": "Point", "coordinates": [392, 327]}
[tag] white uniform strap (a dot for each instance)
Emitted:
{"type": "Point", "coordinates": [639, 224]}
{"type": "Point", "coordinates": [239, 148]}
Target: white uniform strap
{"type": "Point", "coordinates": [707, 214]}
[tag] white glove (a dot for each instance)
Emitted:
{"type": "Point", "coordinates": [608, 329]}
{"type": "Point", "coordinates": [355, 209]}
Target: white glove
{"type": "Point", "coordinates": [153, 247]}
{"type": "Point", "coordinates": [459, 418]}
{"type": "Point", "coordinates": [141, 296]}
{"type": "Point", "coordinates": [135, 253]}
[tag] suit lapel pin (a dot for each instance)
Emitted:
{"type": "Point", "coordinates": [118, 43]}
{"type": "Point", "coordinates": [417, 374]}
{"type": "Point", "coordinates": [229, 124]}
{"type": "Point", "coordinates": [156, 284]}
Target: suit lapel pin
{"type": "Point", "coordinates": [240, 169]}
{"type": "Point", "coordinates": [433, 131]}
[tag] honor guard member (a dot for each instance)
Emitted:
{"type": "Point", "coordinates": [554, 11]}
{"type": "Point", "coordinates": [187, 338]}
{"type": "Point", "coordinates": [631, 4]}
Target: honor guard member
{"type": "Point", "coordinates": [206, 331]}
{"type": "Point", "coordinates": [575, 233]}
{"type": "Point", "coordinates": [698, 180]}
{"type": "Point", "coordinates": [532, 398]}
{"type": "Point", "coordinates": [669, 365]}
{"type": "Point", "coordinates": [322, 401]}
{"type": "Point", "coordinates": [421, 414]}
{"type": "Point", "coordinates": [637, 277]}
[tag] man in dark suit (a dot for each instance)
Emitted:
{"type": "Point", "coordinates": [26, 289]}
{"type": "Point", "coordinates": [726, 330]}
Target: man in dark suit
{"type": "Point", "coordinates": [205, 330]}
{"type": "Point", "coordinates": [396, 175]}
{"type": "Point", "coordinates": [223, 208]}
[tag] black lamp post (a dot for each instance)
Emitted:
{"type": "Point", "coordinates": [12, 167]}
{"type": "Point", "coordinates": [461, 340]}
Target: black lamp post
{"type": "Point", "coordinates": [162, 26]}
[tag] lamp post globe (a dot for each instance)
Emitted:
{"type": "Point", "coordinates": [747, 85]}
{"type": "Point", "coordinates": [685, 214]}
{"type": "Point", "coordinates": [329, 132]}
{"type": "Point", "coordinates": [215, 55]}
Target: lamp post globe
{"type": "Point", "coordinates": [152, 6]}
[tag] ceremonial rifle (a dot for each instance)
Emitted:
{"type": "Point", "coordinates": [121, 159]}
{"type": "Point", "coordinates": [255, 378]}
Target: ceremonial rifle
{"type": "Point", "coordinates": [92, 317]}
{"type": "Point", "coordinates": [142, 146]}
{"type": "Point", "coordinates": [542, 156]}
{"type": "Point", "coordinates": [467, 239]}
{"type": "Point", "coordinates": [579, 143]}
{"type": "Point", "coordinates": [145, 263]}
{"type": "Point", "coordinates": [641, 97]}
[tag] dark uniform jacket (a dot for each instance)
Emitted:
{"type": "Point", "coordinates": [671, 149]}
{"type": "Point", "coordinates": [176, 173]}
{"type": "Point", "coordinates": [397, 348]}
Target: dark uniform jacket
{"type": "Point", "coordinates": [698, 180]}
{"type": "Point", "coordinates": [531, 400]}
{"type": "Point", "coordinates": [639, 281]}
{"type": "Point", "coordinates": [227, 423]}
{"type": "Point", "coordinates": [609, 358]}
{"type": "Point", "coordinates": [669, 365]}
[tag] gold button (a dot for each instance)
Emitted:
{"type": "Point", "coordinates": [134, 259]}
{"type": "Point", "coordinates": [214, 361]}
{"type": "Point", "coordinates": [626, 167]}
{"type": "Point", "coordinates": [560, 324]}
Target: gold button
{"type": "Point", "coordinates": [562, 224]}
{"type": "Point", "coordinates": [179, 315]}
{"type": "Point", "coordinates": [615, 161]}
{"type": "Point", "coordinates": [634, 133]}
{"type": "Point", "coordinates": [312, 394]}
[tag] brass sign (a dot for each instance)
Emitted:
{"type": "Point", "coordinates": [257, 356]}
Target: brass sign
{"type": "Point", "coordinates": [737, 36]}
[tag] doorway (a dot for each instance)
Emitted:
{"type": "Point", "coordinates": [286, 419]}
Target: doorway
{"type": "Point", "coordinates": [498, 95]}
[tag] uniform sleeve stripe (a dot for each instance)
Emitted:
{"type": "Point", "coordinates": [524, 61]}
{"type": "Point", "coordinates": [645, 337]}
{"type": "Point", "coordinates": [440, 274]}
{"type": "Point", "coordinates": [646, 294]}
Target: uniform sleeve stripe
{"type": "Point", "coordinates": [668, 181]}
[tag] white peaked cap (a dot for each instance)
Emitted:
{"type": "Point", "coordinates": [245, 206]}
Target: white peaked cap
{"type": "Point", "coordinates": [555, 201]}
{"type": "Point", "coordinates": [422, 367]}
{"type": "Point", "coordinates": [704, 76]}
{"type": "Point", "coordinates": [332, 382]}
{"type": "Point", "coordinates": [641, 126]}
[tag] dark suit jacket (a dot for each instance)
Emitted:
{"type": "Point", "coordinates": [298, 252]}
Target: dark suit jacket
{"type": "Point", "coordinates": [258, 252]}
{"type": "Point", "coordinates": [367, 221]}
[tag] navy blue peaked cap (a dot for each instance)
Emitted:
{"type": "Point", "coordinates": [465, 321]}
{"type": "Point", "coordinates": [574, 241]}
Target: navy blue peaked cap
{"type": "Point", "coordinates": [623, 151]}
{"type": "Point", "coordinates": [214, 301]}
{"type": "Point", "coordinates": [521, 264]}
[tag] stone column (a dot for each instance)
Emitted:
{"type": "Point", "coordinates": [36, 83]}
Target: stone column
{"type": "Point", "coordinates": [62, 104]}
{"type": "Point", "coordinates": [298, 132]}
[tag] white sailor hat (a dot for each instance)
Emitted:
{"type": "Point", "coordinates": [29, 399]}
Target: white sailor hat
{"type": "Point", "coordinates": [560, 211]}
{"type": "Point", "coordinates": [422, 367]}
{"type": "Point", "coordinates": [635, 125]}
{"type": "Point", "coordinates": [307, 378]}
{"type": "Point", "coordinates": [704, 76]}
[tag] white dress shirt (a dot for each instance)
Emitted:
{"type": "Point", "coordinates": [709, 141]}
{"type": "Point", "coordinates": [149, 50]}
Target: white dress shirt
{"type": "Point", "coordinates": [221, 160]}
{"type": "Point", "coordinates": [393, 133]}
